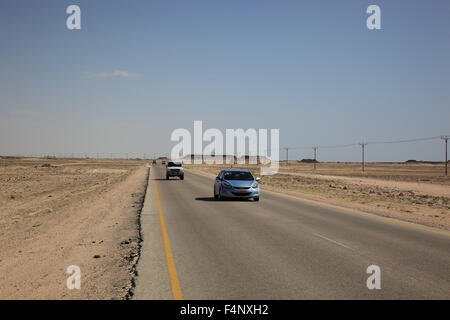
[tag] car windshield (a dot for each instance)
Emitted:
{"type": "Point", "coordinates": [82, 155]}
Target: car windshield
{"type": "Point", "coordinates": [238, 175]}
{"type": "Point", "coordinates": [174, 164]}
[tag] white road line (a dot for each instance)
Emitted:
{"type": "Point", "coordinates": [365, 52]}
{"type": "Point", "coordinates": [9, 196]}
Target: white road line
{"type": "Point", "coordinates": [335, 242]}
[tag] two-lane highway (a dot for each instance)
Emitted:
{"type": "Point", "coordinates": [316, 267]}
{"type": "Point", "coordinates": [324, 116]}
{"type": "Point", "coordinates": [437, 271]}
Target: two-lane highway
{"type": "Point", "coordinates": [279, 248]}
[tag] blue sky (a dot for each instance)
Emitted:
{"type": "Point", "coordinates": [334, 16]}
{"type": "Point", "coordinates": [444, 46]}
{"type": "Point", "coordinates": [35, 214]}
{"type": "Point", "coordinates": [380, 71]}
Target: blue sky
{"type": "Point", "coordinates": [139, 69]}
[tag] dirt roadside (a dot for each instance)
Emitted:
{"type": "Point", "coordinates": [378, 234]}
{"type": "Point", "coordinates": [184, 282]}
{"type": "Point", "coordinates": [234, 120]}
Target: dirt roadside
{"type": "Point", "coordinates": [438, 190]}
{"type": "Point", "coordinates": [84, 214]}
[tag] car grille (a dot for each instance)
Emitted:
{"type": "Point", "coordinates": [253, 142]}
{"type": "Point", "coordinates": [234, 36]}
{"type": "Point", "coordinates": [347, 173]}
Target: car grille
{"type": "Point", "coordinates": [241, 193]}
{"type": "Point", "coordinates": [245, 188]}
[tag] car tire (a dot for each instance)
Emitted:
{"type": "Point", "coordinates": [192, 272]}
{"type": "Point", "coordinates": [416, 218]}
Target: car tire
{"type": "Point", "coordinates": [256, 198]}
{"type": "Point", "coordinates": [167, 177]}
{"type": "Point", "coordinates": [182, 177]}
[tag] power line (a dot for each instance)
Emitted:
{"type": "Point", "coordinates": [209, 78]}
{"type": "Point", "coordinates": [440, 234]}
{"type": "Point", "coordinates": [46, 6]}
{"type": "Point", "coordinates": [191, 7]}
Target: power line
{"type": "Point", "coordinates": [364, 144]}
{"type": "Point", "coordinates": [339, 146]}
{"type": "Point", "coordinates": [368, 142]}
{"type": "Point", "coordinates": [404, 140]}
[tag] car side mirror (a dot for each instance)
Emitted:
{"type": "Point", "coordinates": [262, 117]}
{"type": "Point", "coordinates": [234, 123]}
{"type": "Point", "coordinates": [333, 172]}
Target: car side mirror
{"type": "Point", "coordinates": [258, 178]}
{"type": "Point", "coordinates": [217, 178]}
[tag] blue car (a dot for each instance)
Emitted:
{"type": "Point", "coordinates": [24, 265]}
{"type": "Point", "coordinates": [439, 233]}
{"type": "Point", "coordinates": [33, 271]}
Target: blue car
{"type": "Point", "coordinates": [236, 183]}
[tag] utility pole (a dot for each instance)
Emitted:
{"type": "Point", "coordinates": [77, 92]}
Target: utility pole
{"type": "Point", "coordinates": [287, 155]}
{"type": "Point", "coordinates": [315, 153]}
{"type": "Point", "coordinates": [445, 138]}
{"type": "Point", "coordinates": [362, 144]}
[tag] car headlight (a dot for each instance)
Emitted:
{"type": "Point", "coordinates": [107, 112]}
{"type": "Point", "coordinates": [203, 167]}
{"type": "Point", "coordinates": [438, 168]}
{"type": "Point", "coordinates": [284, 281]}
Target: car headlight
{"type": "Point", "coordinates": [227, 185]}
{"type": "Point", "coordinates": [255, 185]}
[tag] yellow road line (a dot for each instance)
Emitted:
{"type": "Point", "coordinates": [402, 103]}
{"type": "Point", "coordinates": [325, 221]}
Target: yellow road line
{"type": "Point", "coordinates": [176, 289]}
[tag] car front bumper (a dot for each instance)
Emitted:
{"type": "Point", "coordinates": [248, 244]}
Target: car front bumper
{"type": "Point", "coordinates": [240, 193]}
{"type": "Point", "coordinates": [174, 173]}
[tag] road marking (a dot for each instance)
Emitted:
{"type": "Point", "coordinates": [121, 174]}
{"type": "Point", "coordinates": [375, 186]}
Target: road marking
{"type": "Point", "coordinates": [176, 289]}
{"type": "Point", "coordinates": [335, 242]}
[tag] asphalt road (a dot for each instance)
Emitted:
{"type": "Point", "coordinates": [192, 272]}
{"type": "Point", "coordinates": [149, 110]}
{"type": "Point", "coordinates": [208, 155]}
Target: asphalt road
{"type": "Point", "coordinates": [279, 248]}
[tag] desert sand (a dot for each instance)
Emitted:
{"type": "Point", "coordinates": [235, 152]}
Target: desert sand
{"type": "Point", "coordinates": [57, 213]}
